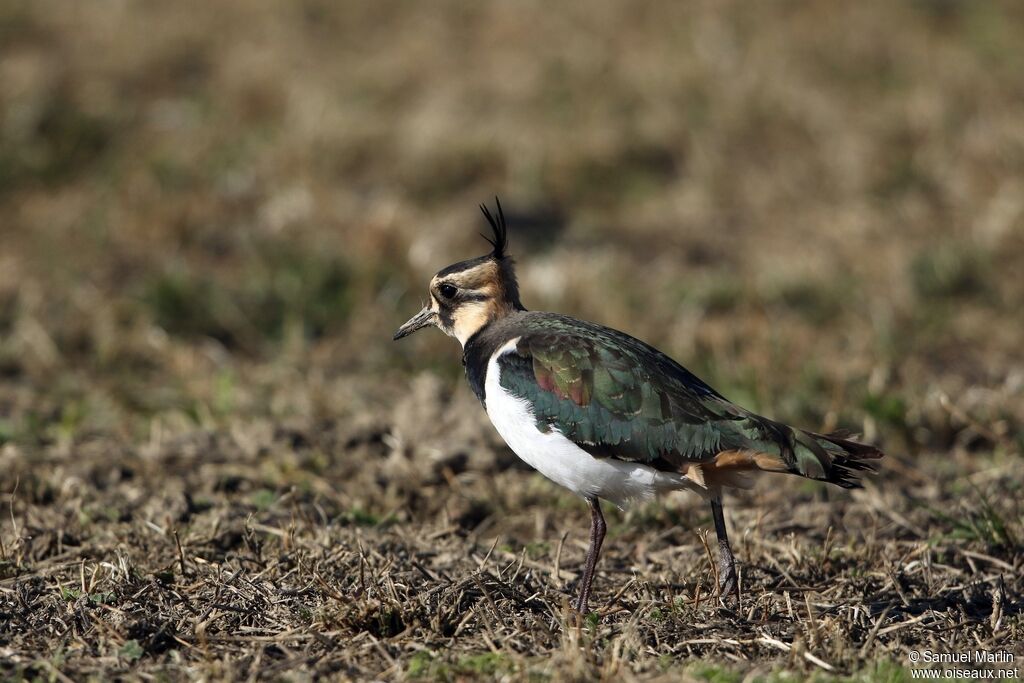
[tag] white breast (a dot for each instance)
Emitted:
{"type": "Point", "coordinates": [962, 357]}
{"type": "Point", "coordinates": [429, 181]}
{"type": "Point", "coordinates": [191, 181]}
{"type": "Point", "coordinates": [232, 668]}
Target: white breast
{"type": "Point", "coordinates": [561, 460]}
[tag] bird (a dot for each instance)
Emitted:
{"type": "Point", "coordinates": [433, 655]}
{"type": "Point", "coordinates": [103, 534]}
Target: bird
{"type": "Point", "coordinates": [608, 416]}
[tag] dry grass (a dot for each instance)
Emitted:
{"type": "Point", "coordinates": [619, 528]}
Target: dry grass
{"type": "Point", "coordinates": [214, 465]}
{"type": "Point", "coordinates": [225, 555]}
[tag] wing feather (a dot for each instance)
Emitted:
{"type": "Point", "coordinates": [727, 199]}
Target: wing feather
{"type": "Point", "coordinates": [614, 395]}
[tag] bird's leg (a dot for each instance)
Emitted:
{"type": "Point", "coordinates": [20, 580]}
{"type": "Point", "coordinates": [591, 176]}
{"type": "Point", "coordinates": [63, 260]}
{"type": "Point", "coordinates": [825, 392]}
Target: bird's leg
{"type": "Point", "coordinates": [727, 579]}
{"type": "Point", "coordinates": [597, 530]}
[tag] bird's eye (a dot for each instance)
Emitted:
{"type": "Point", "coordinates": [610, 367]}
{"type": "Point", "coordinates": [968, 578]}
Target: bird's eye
{"type": "Point", "coordinates": [447, 290]}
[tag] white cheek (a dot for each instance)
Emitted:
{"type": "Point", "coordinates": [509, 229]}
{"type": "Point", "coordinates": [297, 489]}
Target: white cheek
{"type": "Point", "coordinates": [436, 308]}
{"type": "Point", "coordinates": [468, 320]}
{"type": "Point", "coordinates": [462, 332]}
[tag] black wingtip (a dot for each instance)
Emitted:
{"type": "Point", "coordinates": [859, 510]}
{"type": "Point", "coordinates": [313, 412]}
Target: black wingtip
{"type": "Point", "coordinates": [858, 460]}
{"type": "Point", "coordinates": [499, 243]}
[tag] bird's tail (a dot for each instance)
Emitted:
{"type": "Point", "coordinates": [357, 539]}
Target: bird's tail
{"type": "Point", "coordinates": [834, 458]}
{"type": "Point", "coordinates": [769, 446]}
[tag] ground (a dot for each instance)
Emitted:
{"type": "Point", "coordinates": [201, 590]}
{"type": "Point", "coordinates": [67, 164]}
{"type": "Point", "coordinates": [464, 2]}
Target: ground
{"type": "Point", "coordinates": [214, 463]}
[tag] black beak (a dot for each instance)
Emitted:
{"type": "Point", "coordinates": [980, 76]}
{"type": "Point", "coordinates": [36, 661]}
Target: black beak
{"type": "Point", "coordinates": [418, 321]}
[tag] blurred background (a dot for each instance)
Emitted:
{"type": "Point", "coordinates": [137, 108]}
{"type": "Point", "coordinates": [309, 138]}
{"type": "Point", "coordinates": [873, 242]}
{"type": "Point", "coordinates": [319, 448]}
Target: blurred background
{"type": "Point", "coordinates": [214, 215]}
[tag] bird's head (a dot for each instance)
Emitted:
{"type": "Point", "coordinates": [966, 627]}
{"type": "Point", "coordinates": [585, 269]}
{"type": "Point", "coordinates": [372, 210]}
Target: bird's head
{"type": "Point", "coordinates": [468, 295]}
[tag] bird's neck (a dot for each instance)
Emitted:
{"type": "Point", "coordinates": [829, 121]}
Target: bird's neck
{"type": "Point", "coordinates": [471, 319]}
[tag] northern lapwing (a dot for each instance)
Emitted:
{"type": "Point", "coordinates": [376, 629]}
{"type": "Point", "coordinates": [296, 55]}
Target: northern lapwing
{"type": "Point", "coordinates": [606, 415]}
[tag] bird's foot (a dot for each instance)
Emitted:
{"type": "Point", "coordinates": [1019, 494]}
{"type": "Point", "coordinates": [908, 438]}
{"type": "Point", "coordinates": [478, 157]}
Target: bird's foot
{"type": "Point", "coordinates": [728, 582]}
{"type": "Point", "coordinates": [576, 617]}
{"type": "Point", "coordinates": [580, 620]}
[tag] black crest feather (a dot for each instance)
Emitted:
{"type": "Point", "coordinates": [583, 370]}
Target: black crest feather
{"type": "Point", "coordinates": [500, 229]}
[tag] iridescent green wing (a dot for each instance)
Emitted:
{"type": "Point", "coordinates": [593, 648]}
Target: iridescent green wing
{"type": "Point", "coordinates": [614, 395]}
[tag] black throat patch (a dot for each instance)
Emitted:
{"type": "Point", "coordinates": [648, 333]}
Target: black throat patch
{"type": "Point", "coordinates": [479, 349]}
